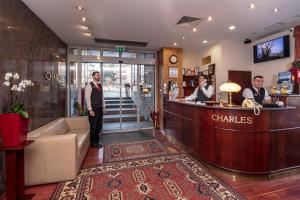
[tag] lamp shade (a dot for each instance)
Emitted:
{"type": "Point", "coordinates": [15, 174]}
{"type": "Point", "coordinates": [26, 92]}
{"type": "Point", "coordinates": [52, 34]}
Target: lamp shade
{"type": "Point", "coordinates": [230, 87]}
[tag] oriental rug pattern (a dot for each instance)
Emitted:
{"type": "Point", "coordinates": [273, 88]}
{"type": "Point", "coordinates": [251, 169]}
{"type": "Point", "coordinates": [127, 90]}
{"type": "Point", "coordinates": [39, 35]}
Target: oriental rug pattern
{"type": "Point", "coordinates": [131, 150]}
{"type": "Point", "coordinates": [165, 177]}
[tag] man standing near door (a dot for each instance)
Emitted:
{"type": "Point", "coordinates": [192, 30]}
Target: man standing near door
{"type": "Point", "coordinates": [96, 107]}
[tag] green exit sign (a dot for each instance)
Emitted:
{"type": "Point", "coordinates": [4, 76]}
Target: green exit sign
{"type": "Point", "coordinates": [120, 48]}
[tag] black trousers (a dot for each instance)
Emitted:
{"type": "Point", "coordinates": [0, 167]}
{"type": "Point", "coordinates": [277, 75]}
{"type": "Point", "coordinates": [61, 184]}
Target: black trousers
{"type": "Point", "coordinates": [95, 125]}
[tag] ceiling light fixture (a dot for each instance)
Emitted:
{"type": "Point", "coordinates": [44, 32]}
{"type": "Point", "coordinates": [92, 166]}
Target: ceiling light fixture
{"type": "Point", "coordinates": [252, 6]}
{"type": "Point", "coordinates": [83, 19]}
{"type": "Point", "coordinates": [183, 37]}
{"type": "Point", "coordinates": [8, 27]}
{"type": "Point", "coordinates": [275, 10]}
{"type": "Point", "coordinates": [85, 27]}
{"type": "Point", "coordinates": [79, 8]}
{"type": "Point", "coordinates": [194, 29]}
{"type": "Point", "coordinates": [204, 41]}
{"type": "Point", "coordinates": [209, 18]}
{"type": "Point", "coordinates": [175, 44]}
{"type": "Point", "coordinates": [232, 27]}
{"type": "Point", "coordinates": [88, 34]}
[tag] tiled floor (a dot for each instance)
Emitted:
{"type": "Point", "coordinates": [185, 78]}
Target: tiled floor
{"type": "Point", "coordinates": [279, 187]}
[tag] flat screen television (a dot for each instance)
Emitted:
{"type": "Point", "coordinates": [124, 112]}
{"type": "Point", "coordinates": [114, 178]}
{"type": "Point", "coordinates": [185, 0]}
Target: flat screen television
{"type": "Point", "coordinates": [271, 50]}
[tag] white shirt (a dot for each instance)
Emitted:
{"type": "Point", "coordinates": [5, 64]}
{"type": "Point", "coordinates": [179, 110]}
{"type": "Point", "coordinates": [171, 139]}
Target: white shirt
{"type": "Point", "coordinates": [248, 94]}
{"type": "Point", "coordinates": [208, 92]}
{"type": "Point", "coordinates": [88, 93]}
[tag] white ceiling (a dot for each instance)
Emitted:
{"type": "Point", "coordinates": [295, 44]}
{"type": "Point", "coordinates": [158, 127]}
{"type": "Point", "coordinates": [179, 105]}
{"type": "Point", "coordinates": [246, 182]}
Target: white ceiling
{"type": "Point", "coordinates": [154, 21]}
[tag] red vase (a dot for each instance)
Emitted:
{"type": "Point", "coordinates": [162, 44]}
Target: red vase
{"type": "Point", "coordinates": [13, 129]}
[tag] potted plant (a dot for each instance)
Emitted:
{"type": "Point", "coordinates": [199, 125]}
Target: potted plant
{"type": "Point", "coordinates": [155, 118]}
{"type": "Point", "coordinates": [14, 120]}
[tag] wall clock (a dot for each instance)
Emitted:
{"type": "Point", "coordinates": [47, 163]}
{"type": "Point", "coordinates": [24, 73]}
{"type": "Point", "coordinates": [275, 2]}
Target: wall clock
{"type": "Point", "coordinates": [173, 59]}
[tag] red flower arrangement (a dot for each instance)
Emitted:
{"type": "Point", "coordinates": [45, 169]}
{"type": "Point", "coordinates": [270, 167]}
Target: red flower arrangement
{"type": "Point", "coordinates": [155, 118]}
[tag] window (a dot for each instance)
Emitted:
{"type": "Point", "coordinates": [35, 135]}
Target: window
{"type": "Point", "coordinates": [90, 52]}
{"type": "Point", "coordinates": [128, 55]}
{"type": "Point", "coordinates": [73, 51]}
{"type": "Point", "coordinates": [147, 55]}
{"type": "Point", "coordinates": [107, 53]}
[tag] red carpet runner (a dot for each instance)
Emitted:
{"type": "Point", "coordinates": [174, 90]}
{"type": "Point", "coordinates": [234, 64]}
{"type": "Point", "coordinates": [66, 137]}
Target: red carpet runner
{"type": "Point", "coordinates": [165, 177]}
{"type": "Point", "coordinates": [131, 150]}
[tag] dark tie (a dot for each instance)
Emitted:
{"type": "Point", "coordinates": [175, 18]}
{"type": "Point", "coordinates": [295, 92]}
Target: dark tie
{"type": "Point", "coordinates": [98, 86]}
{"type": "Point", "coordinates": [258, 92]}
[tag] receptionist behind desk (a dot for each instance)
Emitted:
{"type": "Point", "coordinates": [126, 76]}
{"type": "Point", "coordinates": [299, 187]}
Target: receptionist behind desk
{"type": "Point", "coordinates": [257, 91]}
{"type": "Point", "coordinates": [203, 92]}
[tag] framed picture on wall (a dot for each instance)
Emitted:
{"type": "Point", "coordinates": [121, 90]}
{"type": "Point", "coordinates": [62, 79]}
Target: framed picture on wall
{"type": "Point", "coordinates": [173, 72]}
{"type": "Point", "coordinates": [211, 69]}
{"type": "Point", "coordinates": [197, 70]}
{"type": "Point", "coordinates": [205, 72]}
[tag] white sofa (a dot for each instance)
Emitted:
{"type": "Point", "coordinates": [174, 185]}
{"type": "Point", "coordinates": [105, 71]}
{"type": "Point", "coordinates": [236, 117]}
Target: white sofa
{"type": "Point", "coordinates": [57, 152]}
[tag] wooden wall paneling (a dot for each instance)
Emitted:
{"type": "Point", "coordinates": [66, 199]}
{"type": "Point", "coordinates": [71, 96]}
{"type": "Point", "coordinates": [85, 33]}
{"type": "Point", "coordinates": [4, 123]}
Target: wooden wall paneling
{"type": "Point", "coordinates": [163, 65]}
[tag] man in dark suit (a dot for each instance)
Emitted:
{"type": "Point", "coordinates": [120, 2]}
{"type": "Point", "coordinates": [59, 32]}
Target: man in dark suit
{"type": "Point", "coordinates": [257, 91]}
{"type": "Point", "coordinates": [96, 107]}
{"type": "Point", "coordinates": [203, 92]}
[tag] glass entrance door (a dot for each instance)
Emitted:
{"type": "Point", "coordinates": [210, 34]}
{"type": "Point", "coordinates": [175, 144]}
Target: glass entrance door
{"type": "Point", "coordinates": [128, 94]}
{"type": "Point", "coordinates": [121, 109]}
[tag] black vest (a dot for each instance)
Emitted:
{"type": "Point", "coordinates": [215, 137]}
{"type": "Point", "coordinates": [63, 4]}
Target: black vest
{"type": "Point", "coordinates": [96, 96]}
{"type": "Point", "coordinates": [200, 94]}
{"type": "Point", "coordinates": [258, 98]}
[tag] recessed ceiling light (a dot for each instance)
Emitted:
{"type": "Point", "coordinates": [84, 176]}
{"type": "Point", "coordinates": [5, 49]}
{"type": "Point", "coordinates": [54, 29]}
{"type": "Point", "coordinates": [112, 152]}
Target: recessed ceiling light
{"type": "Point", "coordinates": [88, 34]}
{"type": "Point", "coordinates": [183, 37]}
{"type": "Point", "coordinates": [275, 10]}
{"type": "Point", "coordinates": [8, 27]}
{"type": "Point", "coordinates": [252, 6]}
{"type": "Point", "coordinates": [204, 41]}
{"type": "Point", "coordinates": [79, 8]}
{"type": "Point", "coordinates": [209, 18]}
{"type": "Point", "coordinates": [194, 29]}
{"type": "Point", "coordinates": [85, 27]}
{"type": "Point", "coordinates": [175, 44]}
{"type": "Point", "coordinates": [83, 19]}
{"type": "Point", "coordinates": [232, 27]}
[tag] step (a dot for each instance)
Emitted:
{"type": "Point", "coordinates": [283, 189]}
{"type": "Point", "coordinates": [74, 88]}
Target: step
{"type": "Point", "coordinates": [125, 118]}
{"type": "Point", "coordinates": [112, 111]}
{"type": "Point", "coordinates": [118, 101]}
{"type": "Point", "coordinates": [125, 105]}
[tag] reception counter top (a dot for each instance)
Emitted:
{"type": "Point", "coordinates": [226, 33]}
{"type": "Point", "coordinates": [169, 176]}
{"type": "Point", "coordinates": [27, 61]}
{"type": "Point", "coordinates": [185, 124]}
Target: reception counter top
{"type": "Point", "coordinates": [235, 138]}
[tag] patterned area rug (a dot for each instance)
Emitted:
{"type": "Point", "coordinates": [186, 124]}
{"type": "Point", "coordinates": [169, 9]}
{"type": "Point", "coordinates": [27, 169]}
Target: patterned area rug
{"type": "Point", "coordinates": [166, 177]}
{"type": "Point", "coordinates": [131, 150]}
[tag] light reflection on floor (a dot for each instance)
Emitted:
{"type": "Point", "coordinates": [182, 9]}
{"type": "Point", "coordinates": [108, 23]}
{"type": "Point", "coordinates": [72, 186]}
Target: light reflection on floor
{"type": "Point", "coordinates": [125, 126]}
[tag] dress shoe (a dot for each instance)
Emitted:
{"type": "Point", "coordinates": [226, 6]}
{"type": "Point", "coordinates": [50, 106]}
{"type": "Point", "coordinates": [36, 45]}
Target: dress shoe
{"type": "Point", "coordinates": [97, 146]}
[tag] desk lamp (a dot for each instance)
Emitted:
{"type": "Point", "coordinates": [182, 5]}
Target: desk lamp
{"type": "Point", "coordinates": [230, 87]}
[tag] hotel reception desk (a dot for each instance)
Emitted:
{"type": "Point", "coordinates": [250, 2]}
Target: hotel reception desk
{"type": "Point", "coordinates": [234, 138]}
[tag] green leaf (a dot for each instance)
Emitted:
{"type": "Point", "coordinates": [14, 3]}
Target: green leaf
{"type": "Point", "coordinates": [17, 107]}
{"type": "Point", "coordinates": [23, 113]}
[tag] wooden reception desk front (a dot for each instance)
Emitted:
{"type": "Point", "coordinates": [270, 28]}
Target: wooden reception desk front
{"type": "Point", "coordinates": [234, 138]}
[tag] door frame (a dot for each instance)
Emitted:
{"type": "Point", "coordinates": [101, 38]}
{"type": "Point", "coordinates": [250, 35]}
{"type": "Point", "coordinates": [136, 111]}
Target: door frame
{"type": "Point", "coordinates": [79, 59]}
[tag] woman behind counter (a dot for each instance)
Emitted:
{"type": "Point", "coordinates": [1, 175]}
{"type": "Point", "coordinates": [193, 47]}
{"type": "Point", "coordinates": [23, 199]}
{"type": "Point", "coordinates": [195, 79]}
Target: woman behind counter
{"type": "Point", "coordinates": [203, 92]}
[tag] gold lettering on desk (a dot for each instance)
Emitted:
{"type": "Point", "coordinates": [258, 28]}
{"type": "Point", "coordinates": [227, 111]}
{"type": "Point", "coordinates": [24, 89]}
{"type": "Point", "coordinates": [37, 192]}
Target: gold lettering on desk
{"type": "Point", "coordinates": [232, 119]}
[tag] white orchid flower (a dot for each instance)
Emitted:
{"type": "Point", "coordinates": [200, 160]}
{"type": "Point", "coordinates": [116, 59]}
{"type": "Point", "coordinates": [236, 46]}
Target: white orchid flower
{"type": "Point", "coordinates": [14, 87]}
{"type": "Point", "coordinates": [19, 89]}
{"type": "Point", "coordinates": [22, 85]}
{"type": "Point", "coordinates": [8, 75]}
{"type": "Point", "coordinates": [16, 76]}
{"type": "Point", "coordinates": [6, 83]}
